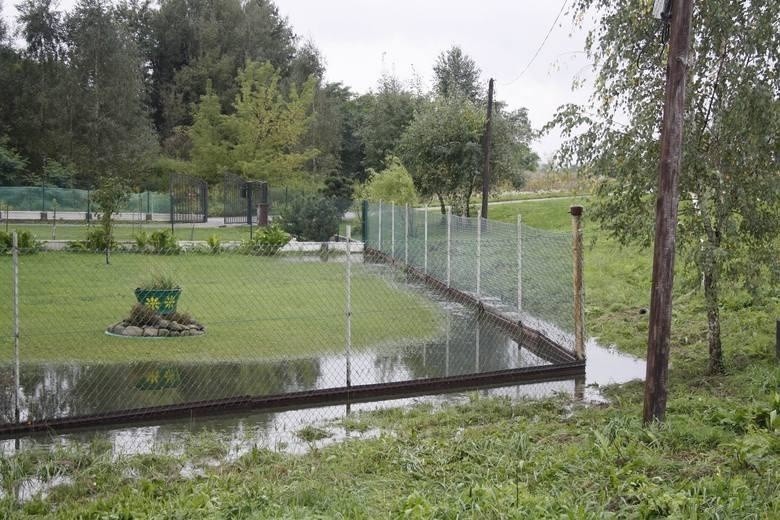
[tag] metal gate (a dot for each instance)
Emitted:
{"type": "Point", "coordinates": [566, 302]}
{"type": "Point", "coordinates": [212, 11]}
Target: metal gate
{"type": "Point", "coordinates": [245, 202]}
{"type": "Point", "coordinates": [189, 199]}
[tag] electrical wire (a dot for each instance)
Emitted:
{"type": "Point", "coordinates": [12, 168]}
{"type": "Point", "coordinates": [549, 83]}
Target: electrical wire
{"type": "Point", "coordinates": [541, 45]}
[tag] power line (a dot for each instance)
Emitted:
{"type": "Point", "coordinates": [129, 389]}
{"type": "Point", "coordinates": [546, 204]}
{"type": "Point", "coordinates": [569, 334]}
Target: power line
{"type": "Point", "coordinates": [541, 45]}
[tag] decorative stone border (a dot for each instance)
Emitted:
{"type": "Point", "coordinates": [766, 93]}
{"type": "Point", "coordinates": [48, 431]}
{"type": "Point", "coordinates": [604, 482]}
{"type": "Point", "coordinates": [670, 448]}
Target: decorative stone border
{"type": "Point", "coordinates": [162, 329]}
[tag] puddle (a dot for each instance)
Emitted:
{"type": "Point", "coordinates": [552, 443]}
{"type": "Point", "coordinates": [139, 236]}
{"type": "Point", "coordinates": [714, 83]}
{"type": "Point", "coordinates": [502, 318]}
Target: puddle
{"type": "Point", "coordinates": [280, 431]}
{"type": "Point", "coordinates": [464, 345]}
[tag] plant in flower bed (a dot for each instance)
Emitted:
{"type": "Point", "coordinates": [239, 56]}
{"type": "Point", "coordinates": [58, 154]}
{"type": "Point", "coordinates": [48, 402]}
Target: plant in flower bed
{"type": "Point", "coordinates": [160, 293]}
{"type": "Point", "coordinates": [158, 242]}
{"type": "Point", "coordinates": [267, 242]}
{"type": "Point", "coordinates": [144, 321]}
{"type": "Point", "coordinates": [26, 241]}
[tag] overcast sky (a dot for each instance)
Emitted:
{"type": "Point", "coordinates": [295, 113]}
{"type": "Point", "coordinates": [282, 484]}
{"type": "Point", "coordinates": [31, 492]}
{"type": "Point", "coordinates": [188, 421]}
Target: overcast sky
{"type": "Point", "coordinates": [361, 39]}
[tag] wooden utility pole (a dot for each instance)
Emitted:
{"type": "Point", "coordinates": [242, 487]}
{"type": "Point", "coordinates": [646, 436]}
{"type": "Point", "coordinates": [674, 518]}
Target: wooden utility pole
{"type": "Point", "coordinates": [666, 214]}
{"type": "Point", "coordinates": [488, 145]}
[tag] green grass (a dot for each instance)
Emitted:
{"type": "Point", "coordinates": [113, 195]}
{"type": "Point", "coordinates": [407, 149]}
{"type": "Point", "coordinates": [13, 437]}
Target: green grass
{"type": "Point", "coordinates": [717, 456]}
{"type": "Point", "coordinates": [252, 307]}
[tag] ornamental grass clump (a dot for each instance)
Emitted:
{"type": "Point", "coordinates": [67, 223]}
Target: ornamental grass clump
{"type": "Point", "coordinates": [160, 282]}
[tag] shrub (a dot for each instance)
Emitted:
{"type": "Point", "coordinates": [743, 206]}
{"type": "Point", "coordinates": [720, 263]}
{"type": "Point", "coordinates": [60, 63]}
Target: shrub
{"type": "Point", "coordinates": [215, 244]}
{"type": "Point", "coordinates": [393, 184]}
{"type": "Point", "coordinates": [97, 240]}
{"type": "Point", "coordinates": [142, 241]}
{"type": "Point", "coordinates": [340, 190]}
{"type": "Point", "coordinates": [163, 241]}
{"type": "Point", "coordinates": [312, 218]}
{"type": "Point", "coordinates": [266, 242]}
{"type": "Point", "coordinates": [25, 240]}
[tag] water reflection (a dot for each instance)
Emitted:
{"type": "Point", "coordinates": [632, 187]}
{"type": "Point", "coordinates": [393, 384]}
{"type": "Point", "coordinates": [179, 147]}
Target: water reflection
{"type": "Point", "coordinates": [466, 345]}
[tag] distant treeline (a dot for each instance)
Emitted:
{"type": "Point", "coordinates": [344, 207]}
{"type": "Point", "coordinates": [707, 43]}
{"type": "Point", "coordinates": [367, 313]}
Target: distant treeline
{"type": "Point", "coordinates": [138, 89]}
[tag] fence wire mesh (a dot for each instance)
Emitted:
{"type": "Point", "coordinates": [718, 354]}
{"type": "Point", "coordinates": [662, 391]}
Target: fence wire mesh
{"type": "Point", "coordinates": [74, 204]}
{"type": "Point", "coordinates": [521, 271]}
{"type": "Point", "coordinates": [260, 322]}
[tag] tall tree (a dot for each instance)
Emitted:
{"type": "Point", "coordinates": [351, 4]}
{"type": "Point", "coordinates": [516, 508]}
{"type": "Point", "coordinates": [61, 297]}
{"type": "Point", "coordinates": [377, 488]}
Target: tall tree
{"type": "Point", "coordinates": [387, 114]}
{"type": "Point", "coordinates": [111, 129]}
{"type": "Point", "coordinates": [261, 138]}
{"type": "Point", "coordinates": [12, 165]}
{"type": "Point", "coordinates": [730, 175]}
{"type": "Point", "coordinates": [456, 74]}
{"type": "Point", "coordinates": [441, 149]}
{"type": "Point", "coordinates": [38, 132]}
{"type": "Point", "coordinates": [200, 40]}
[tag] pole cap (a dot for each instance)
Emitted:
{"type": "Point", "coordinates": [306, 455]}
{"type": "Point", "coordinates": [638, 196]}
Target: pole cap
{"type": "Point", "coordinates": [576, 211]}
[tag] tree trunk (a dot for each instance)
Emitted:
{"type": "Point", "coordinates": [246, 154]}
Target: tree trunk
{"type": "Point", "coordinates": [441, 202]}
{"type": "Point", "coordinates": [712, 298]}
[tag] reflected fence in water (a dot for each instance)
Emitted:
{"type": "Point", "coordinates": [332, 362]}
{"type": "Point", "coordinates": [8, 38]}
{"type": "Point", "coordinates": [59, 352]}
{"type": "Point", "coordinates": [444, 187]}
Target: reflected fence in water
{"type": "Point", "coordinates": [270, 328]}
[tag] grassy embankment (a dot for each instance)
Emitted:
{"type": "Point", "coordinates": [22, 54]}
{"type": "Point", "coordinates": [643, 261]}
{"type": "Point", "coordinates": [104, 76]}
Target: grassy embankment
{"type": "Point", "coordinates": [716, 457]}
{"type": "Point", "coordinates": [252, 307]}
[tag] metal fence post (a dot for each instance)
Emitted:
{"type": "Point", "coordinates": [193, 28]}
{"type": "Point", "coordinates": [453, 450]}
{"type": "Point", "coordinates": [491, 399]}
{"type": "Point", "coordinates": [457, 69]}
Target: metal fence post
{"type": "Point", "coordinates": [392, 230]}
{"type": "Point", "coordinates": [173, 204]}
{"type": "Point", "coordinates": [449, 245]}
{"type": "Point", "coordinates": [579, 293]}
{"type": "Point", "coordinates": [406, 234]}
{"type": "Point", "coordinates": [364, 223]}
{"type": "Point", "coordinates": [476, 349]}
{"type": "Point", "coordinates": [425, 242]}
{"type": "Point", "coordinates": [447, 349]}
{"type": "Point", "coordinates": [479, 251]}
{"type": "Point", "coordinates": [519, 264]}
{"type": "Point", "coordinates": [15, 251]}
{"type": "Point", "coordinates": [379, 247]}
{"type": "Point", "coordinates": [348, 310]}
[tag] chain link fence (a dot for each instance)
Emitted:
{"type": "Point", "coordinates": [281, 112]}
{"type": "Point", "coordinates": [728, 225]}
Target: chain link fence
{"type": "Point", "coordinates": [267, 326]}
{"type": "Point", "coordinates": [75, 204]}
{"type": "Point", "coordinates": [520, 271]}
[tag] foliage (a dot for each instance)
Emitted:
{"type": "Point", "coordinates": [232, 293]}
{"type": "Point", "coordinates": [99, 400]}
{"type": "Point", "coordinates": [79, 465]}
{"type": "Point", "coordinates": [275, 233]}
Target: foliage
{"type": "Point", "coordinates": [512, 157]}
{"type": "Point", "coordinates": [441, 149]}
{"type": "Point", "coordinates": [214, 244]}
{"type": "Point", "coordinates": [97, 240]}
{"type": "Point", "coordinates": [393, 184]}
{"type": "Point", "coordinates": [266, 242]}
{"type": "Point", "coordinates": [311, 218]}
{"type": "Point", "coordinates": [190, 43]}
{"type": "Point", "coordinates": [111, 194]}
{"type": "Point", "coordinates": [729, 182]}
{"type": "Point", "coordinates": [159, 282]}
{"type": "Point", "coordinates": [340, 190]}
{"type": "Point", "coordinates": [158, 242]}
{"type": "Point", "coordinates": [163, 242]}
{"type": "Point", "coordinates": [260, 139]}
{"type": "Point", "coordinates": [12, 165]}
{"type": "Point", "coordinates": [456, 74]}
{"type": "Point", "coordinates": [112, 131]}
{"type": "Point", "coordinates": [386, 115]}
{"type": "Point", "coordinates": [141, 241]}
{"type": "Point", "coordinates": [26, 241]}
{"type": "Point", "coordinates": [141, 316]}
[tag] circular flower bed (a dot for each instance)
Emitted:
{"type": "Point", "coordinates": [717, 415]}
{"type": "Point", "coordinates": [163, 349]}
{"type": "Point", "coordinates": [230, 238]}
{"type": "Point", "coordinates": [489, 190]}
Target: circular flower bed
{"type": "Point", "coordinates": [146, 322]}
